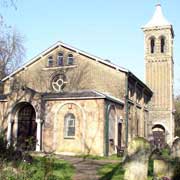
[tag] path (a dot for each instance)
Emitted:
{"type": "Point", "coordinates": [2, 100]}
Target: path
{"type": "Point", "coordinates": [86, 169]}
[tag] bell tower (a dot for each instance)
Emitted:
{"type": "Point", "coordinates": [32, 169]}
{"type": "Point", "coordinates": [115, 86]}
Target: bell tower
{"type": "Point", "coordinates": [158, 42]}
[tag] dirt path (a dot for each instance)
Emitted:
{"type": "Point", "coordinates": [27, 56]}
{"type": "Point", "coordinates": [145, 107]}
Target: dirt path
{"type": "Point", "coordinates": [86, 169]}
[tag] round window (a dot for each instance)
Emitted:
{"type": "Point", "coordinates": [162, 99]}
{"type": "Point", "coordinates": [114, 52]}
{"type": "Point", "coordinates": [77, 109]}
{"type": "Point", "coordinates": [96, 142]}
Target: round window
{"type": "Point", "coordinates": [58, 82]}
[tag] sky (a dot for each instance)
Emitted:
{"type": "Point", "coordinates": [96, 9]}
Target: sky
{"type": "Point", "coordinates": [110, 29]}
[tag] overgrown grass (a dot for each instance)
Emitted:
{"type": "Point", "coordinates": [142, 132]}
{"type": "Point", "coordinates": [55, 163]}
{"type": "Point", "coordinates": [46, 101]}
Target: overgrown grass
{"type": "Point", "coordinates": [42, 168]}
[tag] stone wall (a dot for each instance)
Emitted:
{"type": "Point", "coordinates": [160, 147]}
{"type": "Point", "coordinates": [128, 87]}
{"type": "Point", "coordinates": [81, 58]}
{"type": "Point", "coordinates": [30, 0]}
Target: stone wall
{"type": "Point", "coordinates": [90, 127]}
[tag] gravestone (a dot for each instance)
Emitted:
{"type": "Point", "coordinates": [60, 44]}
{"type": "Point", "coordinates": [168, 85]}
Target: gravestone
{"type": "Point", "coordinates": [163, 168]}
{"type": "Point", "coordinates": [175, 149]}
{"type": "Point", "coordinates": [136, 161]}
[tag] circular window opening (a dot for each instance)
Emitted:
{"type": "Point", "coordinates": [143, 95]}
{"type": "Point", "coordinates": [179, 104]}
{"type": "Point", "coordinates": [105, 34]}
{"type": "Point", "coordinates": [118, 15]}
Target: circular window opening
{"type": "Point", "coordinates": [58, 82]}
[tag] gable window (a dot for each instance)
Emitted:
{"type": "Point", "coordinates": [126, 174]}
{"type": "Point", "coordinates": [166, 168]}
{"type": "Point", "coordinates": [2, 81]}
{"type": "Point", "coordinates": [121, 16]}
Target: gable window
{"type": "Point", "coordinates": [50, 61]}
{"type": "Point", "coordinates": [60, 59]}
{"type": "Point", "coordinates": [70, 59]}
{"type": "Point", "coordinates": [152, 45]}
{"type": "Point", "coordinates": [162, 44]}
{"type": "Point", "coordinates": [69, 125]}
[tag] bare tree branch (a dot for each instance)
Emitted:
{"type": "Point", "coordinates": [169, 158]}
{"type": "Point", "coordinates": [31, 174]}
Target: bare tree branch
{"type": "Point", "coordinates": [11, 49]}
{"type": "Point", "coordinates": [8, 3]}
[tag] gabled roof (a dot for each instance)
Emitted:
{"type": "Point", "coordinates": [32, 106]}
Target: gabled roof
{"type": "Point", "coordinates": [158, 19]}
{"type": "Point", "coordinates": [57, 44]}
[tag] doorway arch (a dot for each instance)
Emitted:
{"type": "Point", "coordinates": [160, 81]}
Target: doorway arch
{"type": "Point", "coordinates": [24, 127]}
{"type": "Point", "coordinates": [158, 132]}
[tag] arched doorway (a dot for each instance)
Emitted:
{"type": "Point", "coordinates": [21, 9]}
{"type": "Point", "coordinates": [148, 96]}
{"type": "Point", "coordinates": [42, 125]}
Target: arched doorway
{"type": "Point", "coordinates": [26, 126]}
{"type": "Point", "coordinates": [158, 132]}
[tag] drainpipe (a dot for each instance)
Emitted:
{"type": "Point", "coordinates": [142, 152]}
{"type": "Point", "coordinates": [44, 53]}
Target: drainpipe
{"type": "Point", "coordinates": [126, 108]}
{"type": "Point", "coordinates": [106, 130]}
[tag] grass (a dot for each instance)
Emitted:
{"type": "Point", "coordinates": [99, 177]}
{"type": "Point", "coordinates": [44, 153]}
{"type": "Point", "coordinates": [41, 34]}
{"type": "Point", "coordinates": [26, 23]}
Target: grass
{"type": "Point", "coordinates": [111, 172]}
{"type": "Point", "coordinates": [41, 169]}
{"type": "Point", "coordinates": [93, 157]}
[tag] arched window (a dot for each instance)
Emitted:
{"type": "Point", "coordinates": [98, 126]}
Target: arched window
{"type": "Point", "coordinates": [162, 44]}
{"type": "Point", "coordinates": [152, 45]}
{"type": "Point", "coordinates": [60, 59]}
{"type": "Point", "coordinates": [50, 61]}
{"type": "Point", "coordinates": [70, 60]}
{"type": "Point", "coordinates": [69, 125]}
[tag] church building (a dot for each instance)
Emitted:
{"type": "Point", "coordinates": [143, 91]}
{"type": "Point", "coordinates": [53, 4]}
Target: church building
{"type": "Point", "coordinates": [68, 101]}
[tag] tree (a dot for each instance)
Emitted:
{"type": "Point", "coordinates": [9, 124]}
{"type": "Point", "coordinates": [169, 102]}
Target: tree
{"type": "Point", "coordinates": [177, 116]}
{"type": "Point", "coordinates": [11, 49]}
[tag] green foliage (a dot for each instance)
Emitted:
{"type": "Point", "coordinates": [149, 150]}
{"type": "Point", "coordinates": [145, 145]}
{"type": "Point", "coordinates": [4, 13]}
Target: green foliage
{"type": "Point", "coordinates": [42, 168]}
{"type": "Point", "coordinates": [165, 152]}
{"type": "Point", "coordinates": [19, 165]}
{"type": "Point", "coordinates": [150, 168]}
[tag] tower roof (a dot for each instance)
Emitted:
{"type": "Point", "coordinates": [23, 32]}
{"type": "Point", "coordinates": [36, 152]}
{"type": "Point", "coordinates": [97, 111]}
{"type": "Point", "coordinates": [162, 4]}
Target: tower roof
{"type": "Point", "coordinates": [158, 18]}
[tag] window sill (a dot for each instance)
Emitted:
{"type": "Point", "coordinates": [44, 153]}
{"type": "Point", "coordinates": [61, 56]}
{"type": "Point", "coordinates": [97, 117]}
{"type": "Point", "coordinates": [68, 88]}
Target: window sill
{"type": "Point", "coordinates": [69, 137]}
{"type": "Point", "coordinates": [59, 67]}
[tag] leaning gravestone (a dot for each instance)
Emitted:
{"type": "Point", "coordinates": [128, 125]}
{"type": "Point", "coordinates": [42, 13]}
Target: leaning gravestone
{"type": "Point", "coordinates": [175, 149]}
{"type": "Point", "coordinates": [136, 161]}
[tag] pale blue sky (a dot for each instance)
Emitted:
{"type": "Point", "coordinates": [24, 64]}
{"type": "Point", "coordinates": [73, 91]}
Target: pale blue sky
{"type": "Point", "coordinates": [110, 29]}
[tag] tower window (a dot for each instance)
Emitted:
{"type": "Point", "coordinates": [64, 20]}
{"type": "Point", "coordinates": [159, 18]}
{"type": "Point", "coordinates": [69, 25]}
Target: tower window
{"type": "Point", "coordinates": [50, 61]}
{"type": "Point", "coordinates": [152, 44]}
{"type": "Point", "coordinates": [70, 59]}
{"type": "Point", "coordinates": [162, 45]}
{"type": "Point", "coordinates": [60, 59]}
